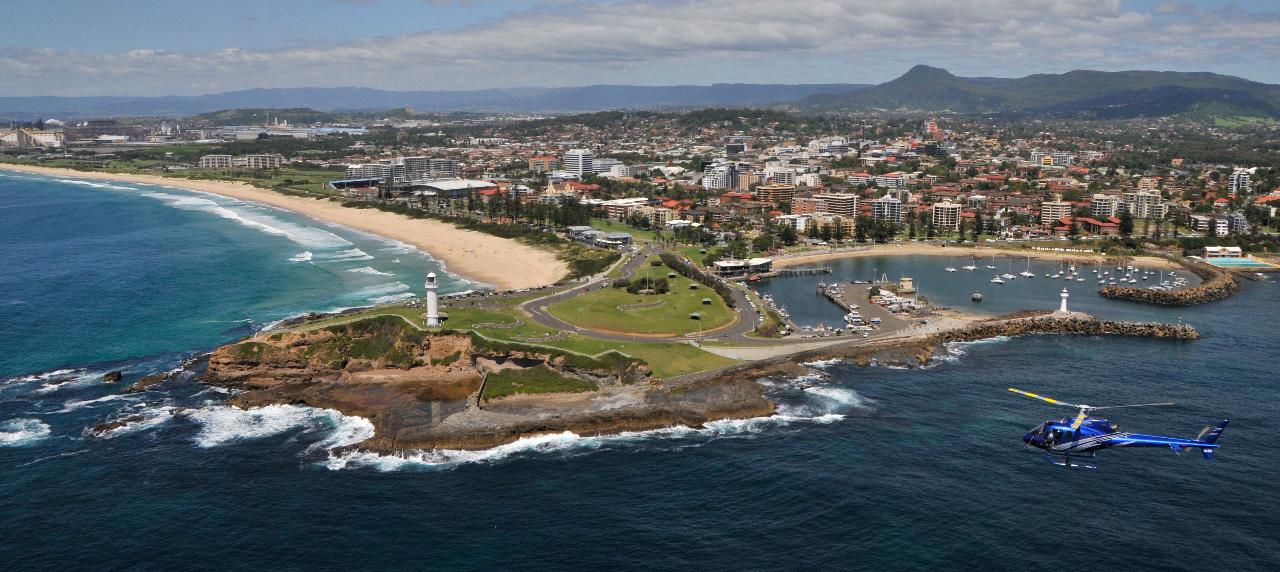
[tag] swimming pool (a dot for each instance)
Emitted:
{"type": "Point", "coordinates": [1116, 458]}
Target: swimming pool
{"type": "Point", "coordinates": [1233, 262]}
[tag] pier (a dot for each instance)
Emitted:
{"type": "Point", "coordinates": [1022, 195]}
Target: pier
{"type": "Point", "coordinates": [804, 271]}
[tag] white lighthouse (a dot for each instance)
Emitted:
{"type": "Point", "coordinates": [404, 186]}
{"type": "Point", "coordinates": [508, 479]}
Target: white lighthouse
{"type": "Point", "coordinates": [1063, 308]}
{"type": "Point", "coordinates": [433, 306]}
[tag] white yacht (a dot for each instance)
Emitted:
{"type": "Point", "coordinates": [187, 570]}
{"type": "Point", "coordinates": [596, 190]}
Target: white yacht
{"type": "Point", "coordinates": [997, 280]}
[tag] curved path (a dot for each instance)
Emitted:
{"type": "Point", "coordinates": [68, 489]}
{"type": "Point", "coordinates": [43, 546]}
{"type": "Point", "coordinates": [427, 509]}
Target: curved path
{"type": "Point", "coordinates": [737, 331]}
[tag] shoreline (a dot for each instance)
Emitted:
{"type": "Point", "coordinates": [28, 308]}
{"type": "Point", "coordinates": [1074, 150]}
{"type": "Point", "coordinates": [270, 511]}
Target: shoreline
{"type": "Point", "coordinates": [501, 262]}
{"type": "Point", "coordinates": [958, 251]}
{"type": "Point", "coordinates": [435, 405]}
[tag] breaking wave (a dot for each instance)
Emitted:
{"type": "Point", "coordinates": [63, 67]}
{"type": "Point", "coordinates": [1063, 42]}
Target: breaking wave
{"type": "Point", "coordinates": [95, 184]}
{"type": "Point", "coordinates": [563, 442]}
{"type": "Point", "coordinates": [370, 271]}
{"type": "Point", "coordinates": [222, 424]}
{"type": "Point", "coordinates": [22, 431]}
{"type": "Point", "coordinates": [393, 298]}
{"type": "Point", "coordinates": [251, 216]}
{"type": "Point", "coordinates": [381, 290]}
{"type": "Point", "coordinates": [304, 256]}
{"type": "Point", "coordinates": [351, 255]}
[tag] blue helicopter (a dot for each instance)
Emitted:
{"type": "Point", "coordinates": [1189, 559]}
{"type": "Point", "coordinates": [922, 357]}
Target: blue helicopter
{"type": "Point", "coordinates": [1083, 437]}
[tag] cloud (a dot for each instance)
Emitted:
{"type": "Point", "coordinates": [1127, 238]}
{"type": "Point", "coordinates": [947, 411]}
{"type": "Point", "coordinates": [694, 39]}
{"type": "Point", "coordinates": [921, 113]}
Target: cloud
{"type": "Point", "coordinates": [692, 41]}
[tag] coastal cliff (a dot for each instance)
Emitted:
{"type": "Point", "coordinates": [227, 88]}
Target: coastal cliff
{"type": "Point", "coordinates": [1217, 284]}
{"type": "Point", "coordinates": [459, 391]}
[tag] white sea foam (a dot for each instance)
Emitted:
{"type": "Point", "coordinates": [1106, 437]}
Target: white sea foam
{"type": "Point", "coordinates": [72, 405]}
{"type": "Point", "coordinates": [94, 184]}
{"type": "Point", "coordinates": [560, 443]}
{"type": "Point", "coordinates": [370, 270]}
{"type": "Point", "coordinates": [381, 290]}
{"type": "Point", "coordinates": [349, 255]}
{"type": "Point", "coordinates": [823, 364]}
{"type": "Point", "coordinates": [393, 298]}
{"type": "Point", "coordinates": [46, 376]}
{"type": "Point", "coordinates": [254, 217]}
{"type": "Point", "coordinates": [146, 419]}
{"type": "Point", "coordinates": [839, 395]}
{"type": "Point", "coordinates": [66, 380]}
{"type": "Point", "coordinates": [22, 431]}
{"type": "Point", "coordinates": [959, 348]}
{"type": "Point", "coordinates": [222, 424]}
{"type": "Point", "coordinates": [304, 256]}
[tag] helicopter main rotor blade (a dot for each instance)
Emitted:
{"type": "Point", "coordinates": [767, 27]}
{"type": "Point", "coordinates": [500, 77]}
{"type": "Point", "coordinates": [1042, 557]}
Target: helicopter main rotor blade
{"type": "Point", "coordinates": [1079, 418]}
{"type": "Point", "coordinates": [1134, 405]}
{"type": "Point", "coordinates": [1043, 398]}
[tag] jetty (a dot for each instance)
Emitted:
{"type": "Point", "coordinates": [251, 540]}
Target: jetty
{"type": "Point", "coordinates": [804, 271]}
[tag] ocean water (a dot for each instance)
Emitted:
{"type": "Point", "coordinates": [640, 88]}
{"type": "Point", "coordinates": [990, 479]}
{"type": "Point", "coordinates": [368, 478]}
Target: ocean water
{"type": "Point", "coordinates": [863, 468]}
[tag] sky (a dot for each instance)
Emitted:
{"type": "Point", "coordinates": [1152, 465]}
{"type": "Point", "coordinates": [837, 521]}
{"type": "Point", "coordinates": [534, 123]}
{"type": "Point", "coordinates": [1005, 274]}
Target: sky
{"type": "Point", "coordinates": [188, 47]}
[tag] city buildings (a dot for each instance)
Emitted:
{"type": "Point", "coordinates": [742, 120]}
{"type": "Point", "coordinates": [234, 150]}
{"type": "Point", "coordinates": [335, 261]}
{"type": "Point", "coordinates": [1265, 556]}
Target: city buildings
{"type": "Point", "coordinates": [578, 162]}
{"type": "Point", "coordinates": [775, 193]}
{"type": "Point", "coordinates": [946, 216]}
{"type": "Point", "coordinates": [1144, 204]}
{"type": "Point", "coordinates": [1104, 206]}
{"type": "Point", "coordinates": [887, 209]}
{"type": "Point", "coordinates": [1052, 211]}
{"type": "Point", "coordinates": [1238, 182]}
{"type": "Point", "coordinates": [544, 164]}
{"type": "Point", "coordinates": [214, 162]}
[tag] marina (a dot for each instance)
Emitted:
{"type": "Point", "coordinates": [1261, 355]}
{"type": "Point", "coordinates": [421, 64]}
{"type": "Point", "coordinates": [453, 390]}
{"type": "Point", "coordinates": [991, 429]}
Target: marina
{"type": "Point", "coordinates": [956, 290]}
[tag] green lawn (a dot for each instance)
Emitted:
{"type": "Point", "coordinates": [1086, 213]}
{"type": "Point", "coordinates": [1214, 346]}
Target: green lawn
{"type": "Point", "coordinates": [540, 379]}
{"type": "Point", "coordinates": [693, 253]}
{"type": "Point", "coordinates": [599, 309]}
{"type": "Point", "coordinates": [639, 236]}
{"type": "Point", "coordinates": [666, 359]}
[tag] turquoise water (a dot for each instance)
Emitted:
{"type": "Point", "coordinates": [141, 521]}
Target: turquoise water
{"type": "Point", "coordinates": [864, 468]}
{"type": "Point", "coordinates": [1228, 262]}
{"type": "Point", "coordinates": [97, 271]}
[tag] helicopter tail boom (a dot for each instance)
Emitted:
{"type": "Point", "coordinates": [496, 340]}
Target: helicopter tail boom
{"type": "Point", "coordinates": [1210, 436]}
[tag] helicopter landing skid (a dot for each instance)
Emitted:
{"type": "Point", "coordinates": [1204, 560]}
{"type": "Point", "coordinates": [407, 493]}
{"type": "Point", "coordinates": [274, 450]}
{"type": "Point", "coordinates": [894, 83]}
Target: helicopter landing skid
{"type": "Point", "coordinates": [1068, 462]}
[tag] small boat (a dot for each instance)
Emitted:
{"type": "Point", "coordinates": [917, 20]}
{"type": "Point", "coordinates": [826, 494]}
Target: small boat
{"type": "Point", "coordinates": [976, 297]}
{"type": "Point", "coordinates": [997, 280]}
{"type": "Point", "coordinates": [992, 266]}
{"type": "Point", "coordinates": [950, 269]}
{"type": "Point", "coordinates": [1027, 273]}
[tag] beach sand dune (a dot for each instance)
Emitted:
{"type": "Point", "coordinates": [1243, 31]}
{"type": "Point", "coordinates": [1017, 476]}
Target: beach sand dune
{"type": "Point", "coordinates": [501, 262]}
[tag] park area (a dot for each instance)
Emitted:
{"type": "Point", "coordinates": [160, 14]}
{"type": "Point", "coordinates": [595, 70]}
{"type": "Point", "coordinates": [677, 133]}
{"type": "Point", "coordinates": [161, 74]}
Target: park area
{"type": "Point", "coordinates": [651, 314]}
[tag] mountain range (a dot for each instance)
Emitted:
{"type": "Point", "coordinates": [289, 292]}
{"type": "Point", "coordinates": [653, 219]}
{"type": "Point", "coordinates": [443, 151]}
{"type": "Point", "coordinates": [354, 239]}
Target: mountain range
{"type": "Point", "coordinates": [516, 100]}
{"type": "Point", "coordinates": [1090, 94]}
{"type": "Point", "coordinates": [1082, 93]}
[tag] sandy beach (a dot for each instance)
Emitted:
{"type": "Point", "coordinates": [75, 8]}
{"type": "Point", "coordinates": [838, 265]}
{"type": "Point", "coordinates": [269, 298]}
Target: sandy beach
{"type": "Point", "coordinates": [960, 252]}
{"type": "Point", "coordinates": [501, 262]}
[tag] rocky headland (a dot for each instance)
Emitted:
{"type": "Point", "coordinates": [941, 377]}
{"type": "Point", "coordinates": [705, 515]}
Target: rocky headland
{"type": "Point", "coordinates": [455, 390]}
{"type": "Point", "coordinates": [460, 391]}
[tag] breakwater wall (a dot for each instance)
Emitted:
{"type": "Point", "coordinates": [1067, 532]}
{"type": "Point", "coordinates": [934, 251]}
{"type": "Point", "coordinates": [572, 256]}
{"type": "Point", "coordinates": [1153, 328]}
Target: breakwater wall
{"type": "Point", "coordinates": [916, 350]}
{"type": "Point", "coordinates": [1217, 284]}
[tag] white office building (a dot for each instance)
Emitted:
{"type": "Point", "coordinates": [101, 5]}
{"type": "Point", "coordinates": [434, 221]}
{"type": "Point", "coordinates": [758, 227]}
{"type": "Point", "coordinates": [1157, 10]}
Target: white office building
{"type": "Point", "coordinates": [720, 176]}
{"type": "Point", "coordinates": [578, 162]}
{"type": "Point", "coordinates": [1238, 184]}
